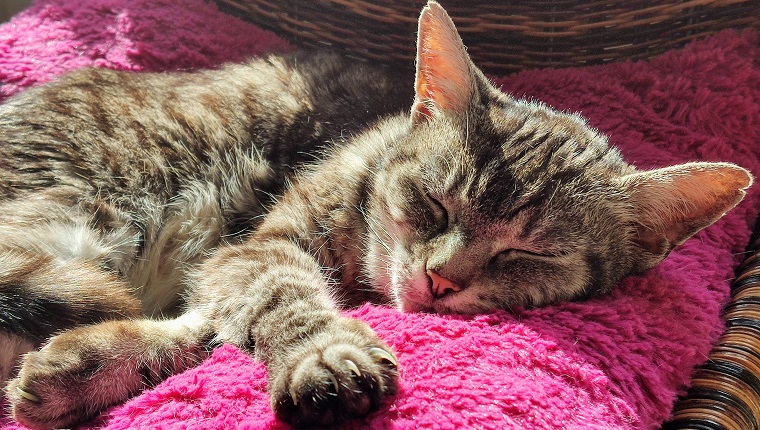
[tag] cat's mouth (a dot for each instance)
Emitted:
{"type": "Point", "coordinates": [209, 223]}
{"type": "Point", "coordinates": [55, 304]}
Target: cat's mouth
{"type": "Point", "coordinates": [438, 306]}
{"type": "Point", "coordinates": [409, 306]}
{"type": "Point", "coordinates": [417, 295]}
{"type": "Point", "coordinates": [414, 290]}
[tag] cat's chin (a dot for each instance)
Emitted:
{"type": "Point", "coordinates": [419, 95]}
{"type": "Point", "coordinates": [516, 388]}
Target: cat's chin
{"type": "Point", "coordinates": [438, 307]}
{"type": "Point", "coordinates": [409, 306]}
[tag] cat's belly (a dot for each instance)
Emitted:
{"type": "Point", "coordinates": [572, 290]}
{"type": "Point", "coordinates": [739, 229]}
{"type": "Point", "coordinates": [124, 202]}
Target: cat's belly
{"type": "Point", "coordinates": [192, 226]}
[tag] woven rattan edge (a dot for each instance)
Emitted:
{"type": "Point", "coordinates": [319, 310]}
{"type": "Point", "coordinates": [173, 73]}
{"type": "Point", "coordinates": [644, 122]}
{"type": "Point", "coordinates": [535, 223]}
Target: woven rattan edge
{"type": "Point", "coordinates": [725, 391]}
{"type": "Point", "coordinates": [503, 37]}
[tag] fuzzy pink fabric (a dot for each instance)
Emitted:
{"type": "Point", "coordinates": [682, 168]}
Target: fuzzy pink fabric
{"type": "Point", "coordinates": [615, 362]}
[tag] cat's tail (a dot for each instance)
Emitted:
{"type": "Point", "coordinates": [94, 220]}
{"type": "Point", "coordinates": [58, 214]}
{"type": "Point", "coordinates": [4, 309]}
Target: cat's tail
{"type": "Point", "coordinates": [81, 371]}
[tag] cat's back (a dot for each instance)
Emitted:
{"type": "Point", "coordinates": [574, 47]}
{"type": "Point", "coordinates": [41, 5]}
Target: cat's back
{"type": "Point", "coordinates": [150, 132]}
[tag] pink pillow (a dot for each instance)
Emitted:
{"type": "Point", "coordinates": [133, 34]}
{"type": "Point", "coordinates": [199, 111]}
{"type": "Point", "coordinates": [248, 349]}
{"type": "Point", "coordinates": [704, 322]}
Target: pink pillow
{"type": "Point", "coordinates": [614, 362]}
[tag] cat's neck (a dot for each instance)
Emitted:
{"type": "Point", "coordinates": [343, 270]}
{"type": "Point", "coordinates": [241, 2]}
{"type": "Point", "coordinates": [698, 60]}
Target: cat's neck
{"type": "Point", "coordinates": [332, 205]}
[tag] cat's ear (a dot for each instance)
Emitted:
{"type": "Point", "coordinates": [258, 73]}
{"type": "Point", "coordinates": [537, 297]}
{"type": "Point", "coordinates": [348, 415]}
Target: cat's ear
{"type": "Point", "coordinates": [673, 203]}
{"type": "Point", "coordinates": [445, 82]}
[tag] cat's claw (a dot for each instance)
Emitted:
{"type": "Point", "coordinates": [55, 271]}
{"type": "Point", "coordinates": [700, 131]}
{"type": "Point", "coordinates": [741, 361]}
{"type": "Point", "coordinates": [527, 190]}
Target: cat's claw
{"type": "Point", "coordinates": [28, 395]}
{"type": "Point", "coordinates": [334, 382]}
{"type": "Point", "coordinates": [383, 355]}
{"type": "Point", "coordinates": [345, 373]}
{"type": "Point", "coordinates": [353, 368]}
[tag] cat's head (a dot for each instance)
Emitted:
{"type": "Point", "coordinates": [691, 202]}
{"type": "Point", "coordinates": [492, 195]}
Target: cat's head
{"type": "Point", "coordinates": [491, 202]}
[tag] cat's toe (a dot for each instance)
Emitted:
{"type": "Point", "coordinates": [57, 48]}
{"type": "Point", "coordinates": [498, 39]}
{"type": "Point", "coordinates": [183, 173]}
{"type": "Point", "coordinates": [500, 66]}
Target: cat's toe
{"type": "Point", "coordinates": [44, 394]}
{"type": "Point", "coordinates": [29, 407]}
{"type": "Point", "coordinates": [334, 381]}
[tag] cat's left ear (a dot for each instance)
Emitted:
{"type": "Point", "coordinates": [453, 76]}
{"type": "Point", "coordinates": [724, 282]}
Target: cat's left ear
{"type": "Point", "coordinates": [445, 80]}
{"type": "Point", "coordinates": [671, 204]}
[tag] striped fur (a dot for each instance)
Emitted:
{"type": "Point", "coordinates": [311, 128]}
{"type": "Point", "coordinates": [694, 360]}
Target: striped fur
{"type": "Point", "coordinates": [146, 218]}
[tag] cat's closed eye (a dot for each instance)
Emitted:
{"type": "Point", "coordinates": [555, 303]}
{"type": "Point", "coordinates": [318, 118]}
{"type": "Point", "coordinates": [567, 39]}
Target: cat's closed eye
{"type": "Point", "coordinates": [440, 213]}
{"type": "Point", "coordinates": [511, 254]}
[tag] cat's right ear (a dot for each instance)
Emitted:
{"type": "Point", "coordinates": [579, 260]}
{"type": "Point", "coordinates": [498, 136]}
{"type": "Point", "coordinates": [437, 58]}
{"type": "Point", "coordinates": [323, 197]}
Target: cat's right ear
{"type": "Point", "coordinates": [445, 80]}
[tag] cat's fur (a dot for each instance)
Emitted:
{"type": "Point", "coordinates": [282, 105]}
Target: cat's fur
{"type": "Point", "coordinates": [129, 195]}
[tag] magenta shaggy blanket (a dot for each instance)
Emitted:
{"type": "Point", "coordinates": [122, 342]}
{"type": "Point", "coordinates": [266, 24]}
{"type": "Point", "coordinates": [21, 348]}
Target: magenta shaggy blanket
{"type": "Point", "coordinates": [614, 362]}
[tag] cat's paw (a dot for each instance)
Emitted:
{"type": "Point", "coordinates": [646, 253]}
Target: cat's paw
{"type": "Point", "coordinates": [66, 382]}
{"type": "Point", "coordinates": [341, 373]}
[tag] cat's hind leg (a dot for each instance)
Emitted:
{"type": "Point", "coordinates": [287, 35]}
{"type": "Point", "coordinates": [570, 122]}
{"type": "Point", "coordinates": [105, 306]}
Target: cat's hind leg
{"type": "Point", "coordinates": [75, 253]}
{"type": "Point", "coordinates": [53, 273]}
{"type": "Point", "coordinates": [40, 296]}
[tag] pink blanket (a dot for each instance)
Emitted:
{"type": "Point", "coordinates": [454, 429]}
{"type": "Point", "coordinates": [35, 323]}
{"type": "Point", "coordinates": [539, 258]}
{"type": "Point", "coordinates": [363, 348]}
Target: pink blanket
{"type": "Point", "coordinates": [615, 362]}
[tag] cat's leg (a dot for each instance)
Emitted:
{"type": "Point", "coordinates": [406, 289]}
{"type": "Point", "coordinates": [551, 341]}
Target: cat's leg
{"type": "Point", "coordinates": [81, 371]}
{"type": "Point", "coordinates": [83, 251]}
{"type": "Point", "coordinates": [39, 297]}
{"type": "Point", "coordinates": [54, 275]}
{"type": "Point", "coordinates": [52, 271]}
{"type": "Point", "coordinates": [271, 296]}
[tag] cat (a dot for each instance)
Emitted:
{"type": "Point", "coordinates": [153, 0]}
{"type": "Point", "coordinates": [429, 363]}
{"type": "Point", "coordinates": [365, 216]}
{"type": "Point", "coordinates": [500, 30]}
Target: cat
{"type": "Point", "coordinates": [146, 218]}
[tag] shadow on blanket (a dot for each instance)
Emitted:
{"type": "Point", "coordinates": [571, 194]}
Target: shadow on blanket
{"type": "Point", "coordinates": [615, 362]}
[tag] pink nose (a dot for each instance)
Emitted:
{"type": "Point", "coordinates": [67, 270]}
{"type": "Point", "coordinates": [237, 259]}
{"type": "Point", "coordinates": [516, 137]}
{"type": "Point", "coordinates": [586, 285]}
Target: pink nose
{"type": "Point", "coordinates": [442, 286]}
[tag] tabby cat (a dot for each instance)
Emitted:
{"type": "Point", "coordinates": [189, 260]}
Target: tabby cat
{"type": "Point", "coordinates": [146, 218]}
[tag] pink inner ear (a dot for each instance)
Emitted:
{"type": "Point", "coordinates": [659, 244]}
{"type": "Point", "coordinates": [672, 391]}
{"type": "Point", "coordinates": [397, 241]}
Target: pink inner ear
{"type": "Point", "coordinates": [444, 80]}
{"type": "Point", "coordinates": [676, 202]}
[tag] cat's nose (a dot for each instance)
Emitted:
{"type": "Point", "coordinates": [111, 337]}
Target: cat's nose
{"type": "Point", "coordinates": [441, 286]}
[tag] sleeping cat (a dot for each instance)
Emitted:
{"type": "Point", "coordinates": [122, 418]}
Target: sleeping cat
{"type": "Point", "coordinates": [146, 218]}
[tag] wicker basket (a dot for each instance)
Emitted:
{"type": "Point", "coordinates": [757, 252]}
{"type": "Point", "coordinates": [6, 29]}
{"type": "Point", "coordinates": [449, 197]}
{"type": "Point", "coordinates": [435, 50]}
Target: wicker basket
{"type": "Point", "coordinates": [725, 391]}
{"type": "Point", "coordinates": [505, 36]}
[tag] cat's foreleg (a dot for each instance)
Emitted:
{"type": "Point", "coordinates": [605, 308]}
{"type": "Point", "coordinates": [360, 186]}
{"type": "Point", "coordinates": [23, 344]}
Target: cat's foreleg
{"type": "Point", "coordinates": [81, 371]}
{"type": "Point", "coordinates": [271, 296]}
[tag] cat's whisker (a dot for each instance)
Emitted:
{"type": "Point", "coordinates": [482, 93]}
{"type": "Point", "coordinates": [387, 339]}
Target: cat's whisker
{"type": "Point", "coordinates": [372, 228]}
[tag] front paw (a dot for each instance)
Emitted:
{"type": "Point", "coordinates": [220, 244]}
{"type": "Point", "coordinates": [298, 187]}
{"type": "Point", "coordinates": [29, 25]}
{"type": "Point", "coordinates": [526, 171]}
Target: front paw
{"type": "Point", "coordinates": [343, 372]}
{"type": "Point", "coordinates": [45, 394]}
{"type": "Point", "coordinates": [66, 382]}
